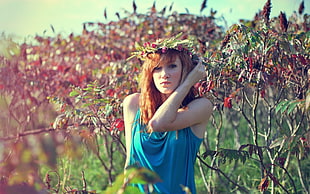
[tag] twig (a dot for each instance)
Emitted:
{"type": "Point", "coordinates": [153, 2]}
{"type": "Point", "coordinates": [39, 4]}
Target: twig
{"type": "Point", "coordinates": [222, 173]}
{"type": "Point", "coordinates": [26, 133]}
{"type": "Point", "coordinates": [48, 181]}
{"type": "Point", "coordinates": [300, 177]}
{"type": "Point", "coordinates": [203, 176]}
{"type": "Point", "coordinates": [84, 181]}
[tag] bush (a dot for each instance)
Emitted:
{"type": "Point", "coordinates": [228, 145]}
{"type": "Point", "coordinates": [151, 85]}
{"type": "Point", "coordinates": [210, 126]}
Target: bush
{"type": "Point", "coordinates": [258, 80]}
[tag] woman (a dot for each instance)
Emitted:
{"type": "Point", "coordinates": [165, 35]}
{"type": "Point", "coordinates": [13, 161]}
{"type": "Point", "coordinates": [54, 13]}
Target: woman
{"type": "Point", "coordinates": [166, 122]}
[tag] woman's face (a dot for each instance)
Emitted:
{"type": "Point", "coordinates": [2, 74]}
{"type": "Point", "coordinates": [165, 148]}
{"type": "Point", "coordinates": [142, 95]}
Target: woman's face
{"type": "Point", "coordinates": [167, 76]}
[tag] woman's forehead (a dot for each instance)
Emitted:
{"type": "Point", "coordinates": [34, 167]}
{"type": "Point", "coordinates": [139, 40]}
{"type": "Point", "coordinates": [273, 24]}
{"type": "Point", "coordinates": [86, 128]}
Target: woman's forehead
{"type": "Point", "coordinates": [164, 60]}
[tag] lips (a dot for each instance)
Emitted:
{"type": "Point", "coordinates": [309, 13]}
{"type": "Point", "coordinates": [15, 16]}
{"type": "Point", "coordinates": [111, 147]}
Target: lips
{"type": "Point", "coordinates": [165, 83]}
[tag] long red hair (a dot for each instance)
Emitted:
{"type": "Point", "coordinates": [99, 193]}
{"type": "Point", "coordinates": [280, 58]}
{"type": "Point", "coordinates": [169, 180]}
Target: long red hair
{"type": "Point", "coordinates": [150, 97]}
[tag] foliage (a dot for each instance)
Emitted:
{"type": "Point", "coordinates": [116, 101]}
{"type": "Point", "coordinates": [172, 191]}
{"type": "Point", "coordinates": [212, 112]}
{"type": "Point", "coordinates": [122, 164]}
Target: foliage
{"type": "Point", "coordinates": [61, 100]}
{"type": "Point", "coordinates": [261, 73]}
{"type": "Point", "coordinates": [124, 183]}
{"type": "Point", "coordinates": [163, 46]}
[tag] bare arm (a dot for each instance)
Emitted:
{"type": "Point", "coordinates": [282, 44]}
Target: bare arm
{"type": "Point", "coordinates": [169, 117]}
{"type": "Point", "coordinates": [130, 107]}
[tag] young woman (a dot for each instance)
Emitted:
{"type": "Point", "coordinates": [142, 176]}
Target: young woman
{"type": "Point", "coordinates": [166, 122]}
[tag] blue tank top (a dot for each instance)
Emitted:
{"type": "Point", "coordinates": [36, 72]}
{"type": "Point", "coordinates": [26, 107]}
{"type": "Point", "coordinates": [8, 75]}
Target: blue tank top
{"type": "Point", "coordinates": [171, 155]}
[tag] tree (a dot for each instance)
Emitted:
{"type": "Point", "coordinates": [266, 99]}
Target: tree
{"type": "Point", "coordinates": [258, 80]}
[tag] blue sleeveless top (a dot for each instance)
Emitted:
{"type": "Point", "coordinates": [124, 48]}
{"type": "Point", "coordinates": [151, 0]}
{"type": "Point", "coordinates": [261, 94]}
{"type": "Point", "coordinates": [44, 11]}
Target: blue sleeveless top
{"type": "Point", "coordinates": [171, 155]}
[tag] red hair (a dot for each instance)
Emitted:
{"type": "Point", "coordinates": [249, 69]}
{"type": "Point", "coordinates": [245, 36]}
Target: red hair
{"type": "Point", "coordinates": [150, 97]}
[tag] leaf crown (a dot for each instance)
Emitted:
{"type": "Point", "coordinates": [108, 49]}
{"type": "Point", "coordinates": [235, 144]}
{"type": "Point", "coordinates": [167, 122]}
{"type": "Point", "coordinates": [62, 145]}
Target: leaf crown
{"type": "Point", "coordinates": [162, 45]}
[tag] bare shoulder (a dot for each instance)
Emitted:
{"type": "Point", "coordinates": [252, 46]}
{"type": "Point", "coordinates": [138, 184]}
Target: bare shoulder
{"type": "Point", "coordinates": [202, 108]}
{"type": "Point", "coordinates": [202, 104]}
{"type": "Point", "coordinates": [130, 107]}
{"type": "Point", "coordinates": [131, 101]}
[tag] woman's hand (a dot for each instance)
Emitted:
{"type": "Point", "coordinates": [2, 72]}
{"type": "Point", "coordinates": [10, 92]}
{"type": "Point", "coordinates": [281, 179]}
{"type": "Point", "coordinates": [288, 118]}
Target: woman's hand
{"type": "Point", "coordinates": [197, 73]}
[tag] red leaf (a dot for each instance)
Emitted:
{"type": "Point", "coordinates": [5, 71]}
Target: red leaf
{"type": "Point", "coordinates": [210, 85]}
{"type": "Point", "coordinates": [61, 68]}
{"type": "Point", "coordinates": [302, 60]}
{"type": "Point", "coordinates": [263, 185]}
{"type": "Point", "coordinates": [251, 64]}
{"type": "Point", "coordinates": [262, 93]}
{"type": "Point", "coordinates": [118, 124]}
{"type": "Point", "coordinates": [110, 92]}
{"type": "Point", "coordinates": [227, 102]}
{"type": "Point", "coordinates": [294, 56]}
{"type": "Point", "coordinates": [202, 88]}
{"type": "Point", "coordinates": [82, 78]}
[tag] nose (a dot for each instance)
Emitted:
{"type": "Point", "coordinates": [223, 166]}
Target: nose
{"type": "Point", "coordinates": [165, 73]}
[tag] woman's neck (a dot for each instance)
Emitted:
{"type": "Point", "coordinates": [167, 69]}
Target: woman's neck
{"type": "Point", "coordinates": [164, 97]}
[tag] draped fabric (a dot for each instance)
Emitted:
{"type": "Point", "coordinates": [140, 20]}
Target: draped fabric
{"type": "Point", "coordinates": [170, 154]}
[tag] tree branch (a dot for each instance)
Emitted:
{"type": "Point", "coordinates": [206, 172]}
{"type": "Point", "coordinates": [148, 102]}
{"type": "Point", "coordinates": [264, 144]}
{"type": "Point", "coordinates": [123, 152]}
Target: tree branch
{"type": "Point", "coordinates": [222, 173]}
{"type": "Point", "coordinates": [26, 133]}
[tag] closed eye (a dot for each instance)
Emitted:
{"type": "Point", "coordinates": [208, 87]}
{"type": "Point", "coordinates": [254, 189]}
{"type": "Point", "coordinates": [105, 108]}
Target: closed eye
{"type": "Point", "coordinates": [172, 66]}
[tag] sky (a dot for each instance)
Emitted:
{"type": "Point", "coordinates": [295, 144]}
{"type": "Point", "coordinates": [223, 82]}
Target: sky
{"type": "Point", "coordinates": [27, 18]}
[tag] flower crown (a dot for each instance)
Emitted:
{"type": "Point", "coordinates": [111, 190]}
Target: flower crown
{"type": "Point", "coordinates": [162, 46]}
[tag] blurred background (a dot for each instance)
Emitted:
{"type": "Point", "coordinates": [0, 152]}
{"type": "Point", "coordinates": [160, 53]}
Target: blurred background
{"type": "Point", "coordinates": [35, 17]}
{"type": "Point", "coordinates": [64, 75]}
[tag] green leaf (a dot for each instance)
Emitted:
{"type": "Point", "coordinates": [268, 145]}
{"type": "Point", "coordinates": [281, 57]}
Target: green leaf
{"type": "Point", "coordinates": [288, 106]}
{"type": "Point", "coordinates": [141, 175]}
{"type": "Point", "coordinates": [87, 97]}
{"type": "Point", "coordinates": [132, 190]}
{"type": "Point", "coordinates": [108, 109]}
{"type": "Point", "coordinates": [73, 93]}
{"type": "Point", "coordinates": [101, 100]}
{"type": "Point", "coordinates": [95, 121]}
{"type": "Point", "coordinates": [87, 105]}
{"type": "Point", "coordinates": [137, 46]}
{"type": "Point", "coordinates": [88, 89]}
{"type": "Point", "coordinates": [116, 185]}
{"type": "Point", "coordinates": [292, 106]}
{"type": "Point", "coordinates": [178, 35]}
{"type": "Point", "coordinates": [119, 183]}
{"type": "Point", "coordinates": [281, 105]}
{"type": "Point", "coordinates": [208, 153]}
